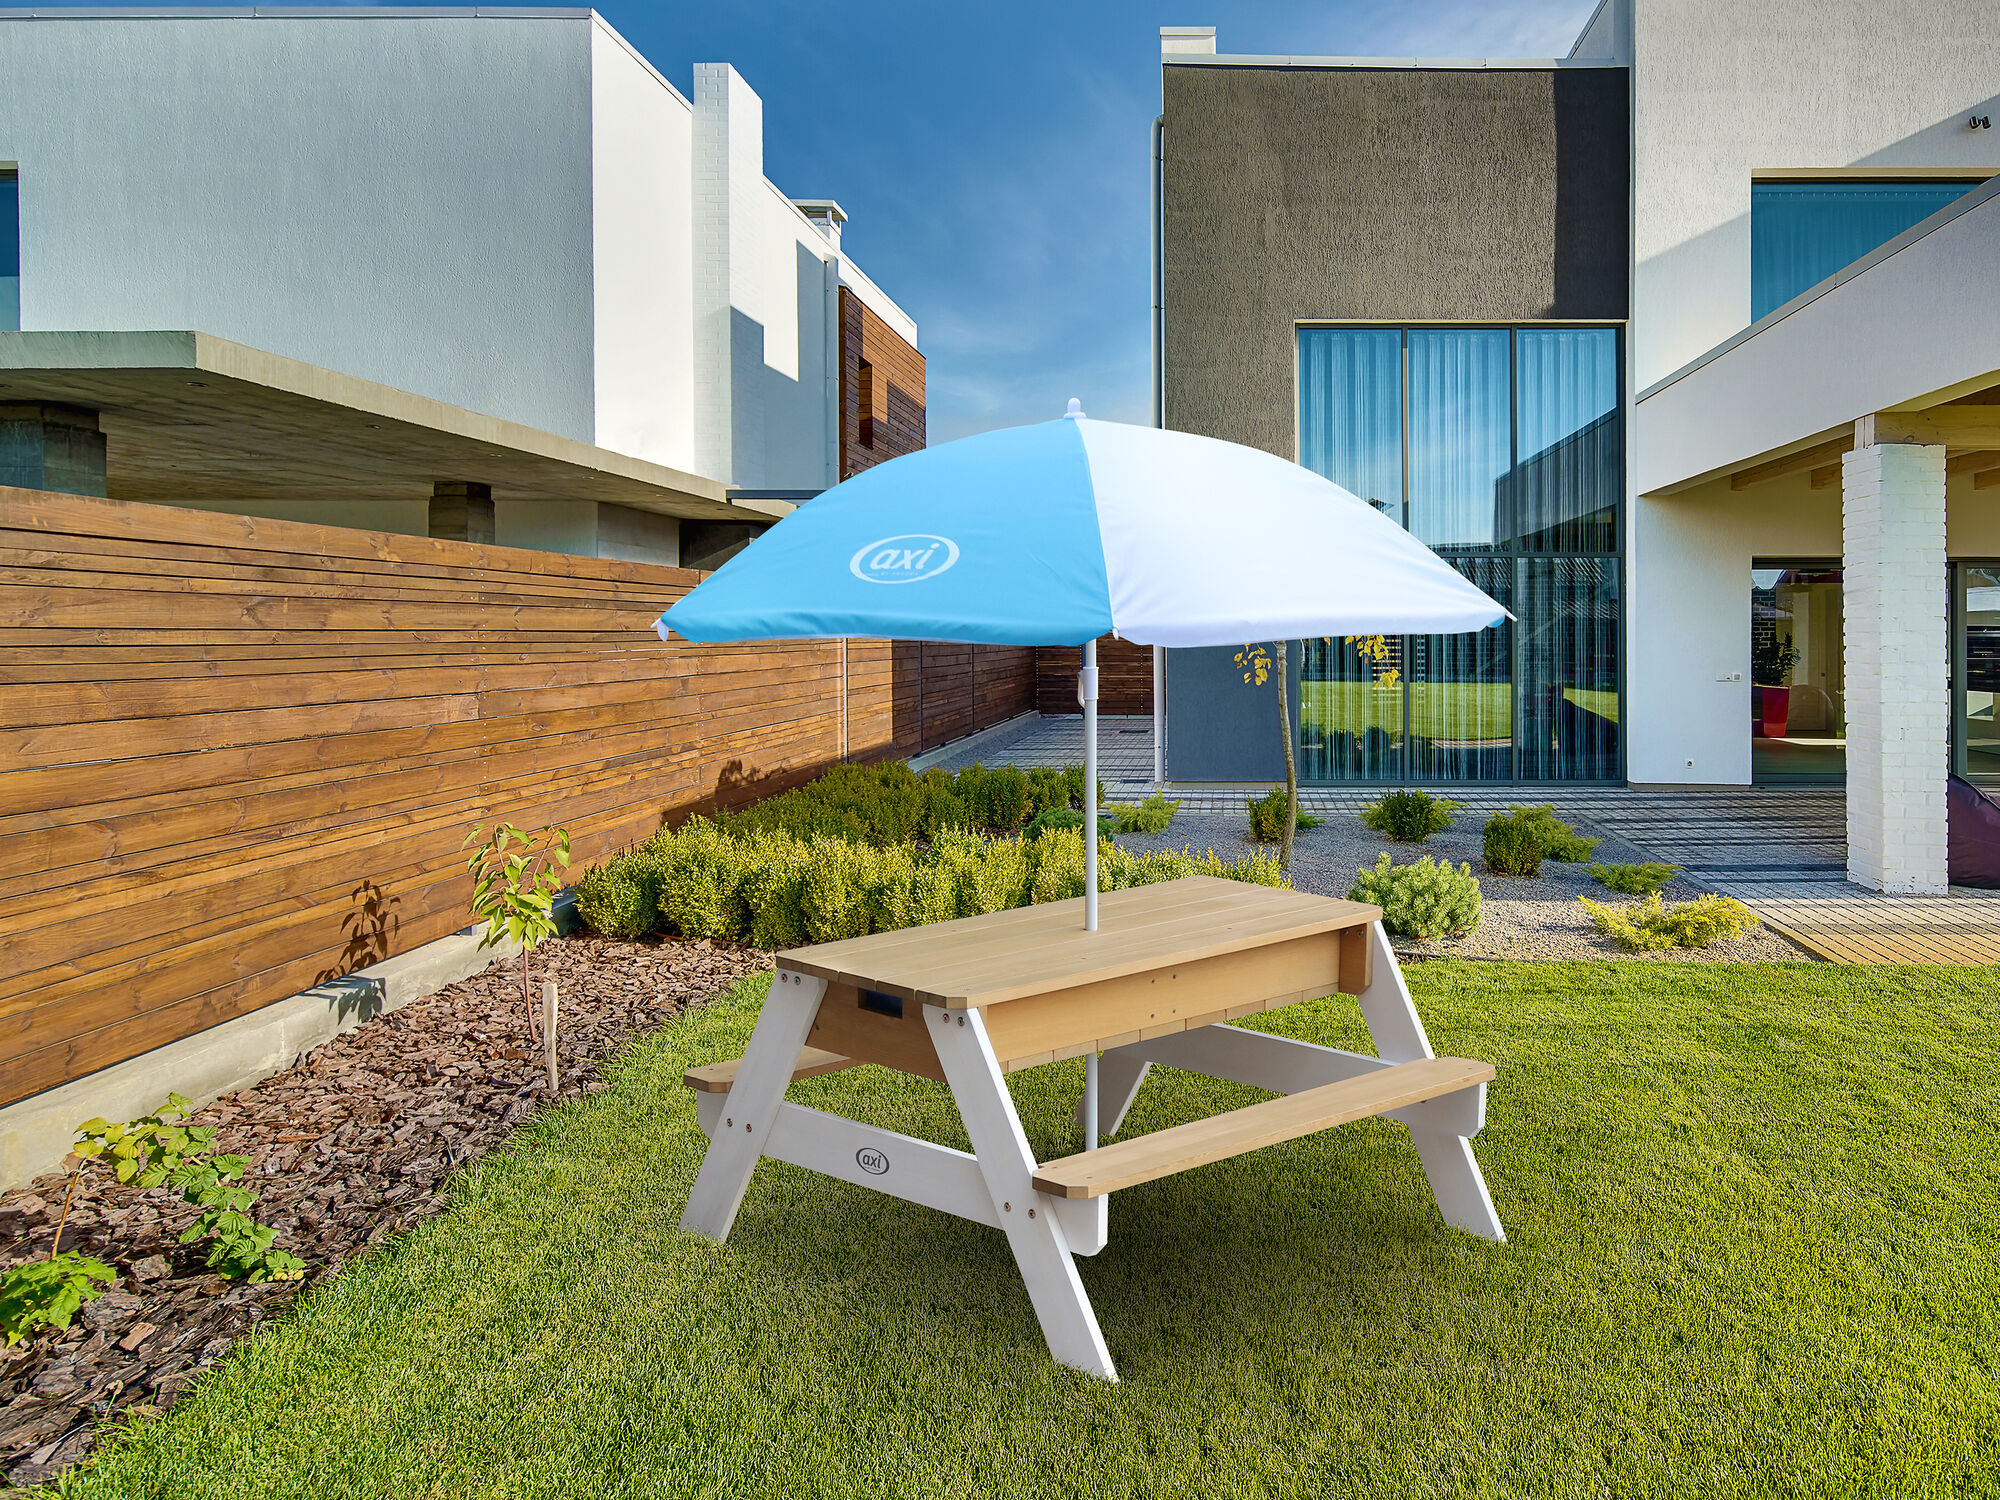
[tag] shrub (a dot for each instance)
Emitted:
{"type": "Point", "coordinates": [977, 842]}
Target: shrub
{"type": "Point", "coordinates": [700, 874]}
{"type": "Point", "coordinates": [1635, 880]}
{"type": "Point", "coordinates": [1423, 900]}
{"type": "Point", "coordinates": [620, 898]}
{"type": "Point", "coordinates": [1652, 924]}
{"type": "Point", "coordinates": [1154, 815]}
{"type": "Point", "coordinates": [1267, 817]}
{"type": "Point", "coordinates": [1559, 841]}
{"type": "Point", "coordinates": [1511, 846]}
{"type": "Point", "coordinates": [889, 804]}
{"type": "Point", "coordinates": [1409, 817]}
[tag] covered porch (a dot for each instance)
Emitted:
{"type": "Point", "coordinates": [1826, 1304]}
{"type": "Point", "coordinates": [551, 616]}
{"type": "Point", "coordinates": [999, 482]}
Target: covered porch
{"type": "Point", "coordinates": [1851, 438]}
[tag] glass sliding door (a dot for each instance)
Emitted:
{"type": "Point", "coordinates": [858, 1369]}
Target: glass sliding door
{"type": "Point", "coordinates": [1976, 705]}
{"type": "Point", "coordinates": [1503, 450]}
{"type": "Point", "coordinates": [1798, 694]}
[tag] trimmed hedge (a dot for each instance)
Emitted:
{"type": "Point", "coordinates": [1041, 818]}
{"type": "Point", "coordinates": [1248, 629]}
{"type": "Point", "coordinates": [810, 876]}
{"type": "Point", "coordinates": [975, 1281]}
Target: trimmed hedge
{"type": "Point", "coordinates": [776, 890]}
{"type": "Point", "coordinates": [890, 804]}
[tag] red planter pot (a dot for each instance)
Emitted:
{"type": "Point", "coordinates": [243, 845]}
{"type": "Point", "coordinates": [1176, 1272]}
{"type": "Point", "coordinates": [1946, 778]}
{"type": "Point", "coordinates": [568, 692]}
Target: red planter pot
{"type": "Point", "coordinates": [1774, 707]}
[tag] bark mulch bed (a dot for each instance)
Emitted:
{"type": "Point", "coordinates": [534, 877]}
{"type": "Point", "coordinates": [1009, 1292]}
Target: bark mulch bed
{"type": "Point", "coordinates": [351, 1144]}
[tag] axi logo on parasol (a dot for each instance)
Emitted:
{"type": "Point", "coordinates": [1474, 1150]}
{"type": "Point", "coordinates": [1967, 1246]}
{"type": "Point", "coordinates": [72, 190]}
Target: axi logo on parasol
{"type": "Point", "coordinates": [910, 558]}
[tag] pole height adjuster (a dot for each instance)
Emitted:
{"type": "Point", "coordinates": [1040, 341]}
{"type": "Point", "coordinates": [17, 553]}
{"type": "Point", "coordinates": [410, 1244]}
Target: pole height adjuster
{"type": "Point", "coordinates": [1086, 685]}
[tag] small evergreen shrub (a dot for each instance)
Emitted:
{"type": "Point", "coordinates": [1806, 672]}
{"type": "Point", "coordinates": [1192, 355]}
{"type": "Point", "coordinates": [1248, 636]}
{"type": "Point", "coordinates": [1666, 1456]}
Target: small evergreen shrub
{"type": "Point", "coordinates": [1635, 880]}
{"type": "Point", "coordinates": [620, 898]}
{"type": "Point", "coordinates": [1559, 841]}
{"type": "Point", "coordinates": [889, 804]}
{"type": "Point", "coordinates": [1651, 924]}
{"type": "Point", "coordinates": [1409, 817]}
{"type": "Point", "coordinates": [1511, 846]}
{"type": "Point", "coordinates": [1154, 815]}
{"type": "Point", "coordinates": [1267, 817]}
{"type": "Point", "coordinates": [1423, 900]}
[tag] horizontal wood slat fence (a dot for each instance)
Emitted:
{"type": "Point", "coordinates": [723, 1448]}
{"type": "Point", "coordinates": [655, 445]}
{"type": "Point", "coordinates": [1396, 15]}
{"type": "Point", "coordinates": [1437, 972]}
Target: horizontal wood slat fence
{"type": "Point", "coordinates": [238, 757]}
{"type": "Point", "coordinates": [1124, 678]}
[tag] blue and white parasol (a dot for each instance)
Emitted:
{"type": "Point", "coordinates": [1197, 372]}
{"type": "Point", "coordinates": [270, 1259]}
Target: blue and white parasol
{"type": "Point", "coordinates": [1058, 533]}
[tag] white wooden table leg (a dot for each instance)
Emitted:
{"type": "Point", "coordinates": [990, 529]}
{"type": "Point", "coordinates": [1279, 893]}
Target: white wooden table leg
{"type": "Point", "coordinates": [1033, 1233]}
{"type": "Point", "coordinates": [1456, 1183]}
{"type": "Point", "coordinates": [752, 1104]}
{"type": "Point", "coordinates": [1455, 1178]}
{"type": "Point", "coordinates": [1118, 1080]}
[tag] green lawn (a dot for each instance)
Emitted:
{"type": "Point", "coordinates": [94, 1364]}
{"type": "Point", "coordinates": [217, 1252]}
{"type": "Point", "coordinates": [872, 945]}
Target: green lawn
{"type": "Point", "coordinates": [1756, 1250]}
{"type": "Point", "coordinates": [1438, 710]}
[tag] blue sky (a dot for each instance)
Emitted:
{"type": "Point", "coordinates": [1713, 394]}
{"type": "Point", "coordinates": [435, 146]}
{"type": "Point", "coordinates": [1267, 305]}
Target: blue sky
{"type": "Point", "coordinates": [992, 159]}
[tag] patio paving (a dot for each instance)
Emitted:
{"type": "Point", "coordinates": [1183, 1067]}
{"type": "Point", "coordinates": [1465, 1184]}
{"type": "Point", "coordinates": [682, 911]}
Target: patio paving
{"type": "Point", "coordinates": [1780, 851]}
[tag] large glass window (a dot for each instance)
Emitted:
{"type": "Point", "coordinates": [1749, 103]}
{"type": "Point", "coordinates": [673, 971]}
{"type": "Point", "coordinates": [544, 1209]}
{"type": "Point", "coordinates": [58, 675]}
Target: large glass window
{"type": "Point", "coordinates": [10, 251]}
{"type": "Point", "coordinates": [1803, 232]}
{"type": "Point", "coordinates": [1503, 450]}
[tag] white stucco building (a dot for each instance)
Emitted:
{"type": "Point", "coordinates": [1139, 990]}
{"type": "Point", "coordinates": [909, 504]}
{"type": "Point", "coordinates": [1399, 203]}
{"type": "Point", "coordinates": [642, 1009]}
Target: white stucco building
{"type": "Point", "coordinates": [508, 214]}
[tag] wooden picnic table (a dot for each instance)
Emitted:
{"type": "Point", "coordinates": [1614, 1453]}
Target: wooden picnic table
{"type": "Point", "coordinates": [1171, 965]}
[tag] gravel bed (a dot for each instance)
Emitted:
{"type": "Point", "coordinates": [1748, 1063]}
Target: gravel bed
{"type": "Point", "coordinates": [352, 1144]}
{"type": "Point", "coordinates": [1537, 918]}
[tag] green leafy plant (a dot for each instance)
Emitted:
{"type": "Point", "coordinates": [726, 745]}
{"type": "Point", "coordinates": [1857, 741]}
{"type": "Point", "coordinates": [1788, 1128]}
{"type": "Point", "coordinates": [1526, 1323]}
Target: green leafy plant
{"type": "Point", "coordinates": [1154, 815]}
{"type": "Point", "coordinates": [1772, 660]}
{"type": "Point", "coordinates": [160, 1150]}
{"type": "Point", "coordinates": [1651, 924]}
{"type": "Point", "coordinates": [1635, 880]}
{"type": "Point", "coordinates": [1409, 817]}
{"type": "Point", "coordinates": [1064, 817]}
{"type": "Point", "coordinates": [48, 1293]}
{"type": "Point", "coordinates": [515, 877]}
{"type": "Point", "coordinates": [1426, 899]}
{"type": "Point", "coordinates": [1268, 823]}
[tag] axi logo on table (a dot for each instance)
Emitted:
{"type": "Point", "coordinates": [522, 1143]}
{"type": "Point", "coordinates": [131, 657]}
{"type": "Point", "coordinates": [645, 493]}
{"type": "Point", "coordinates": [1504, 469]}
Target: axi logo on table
{"type": "Point", "coordinates": [910, 558]}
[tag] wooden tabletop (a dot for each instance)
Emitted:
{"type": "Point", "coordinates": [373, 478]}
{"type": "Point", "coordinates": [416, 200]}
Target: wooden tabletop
{"type": "Point", "coordinates": [1032, 950]}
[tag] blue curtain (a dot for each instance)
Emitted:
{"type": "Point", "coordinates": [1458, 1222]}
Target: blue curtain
{"type": "Point", "coordinates": [1803, 232]}
{"type": "Point", "coordinates": [1571, 476]}
{"type": "Point", "coordinates": [1460, 448]}
{"type": "Point", "coordinates": [1351, 411]}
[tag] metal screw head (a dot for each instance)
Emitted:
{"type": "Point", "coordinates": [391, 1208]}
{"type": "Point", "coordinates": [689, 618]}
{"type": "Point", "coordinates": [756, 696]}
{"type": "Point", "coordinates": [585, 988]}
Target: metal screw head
{"type": "Point", "coordinates": [961, 1020]}
{"type": "Point", "coordinates": [1007, 1208]}
{"type": "Point", "coordinates": [1031, 1213]}
{"type": "Point", "coordinates": [746, 1127]}
{"type": "Point", "coordinates": [730, 1123]}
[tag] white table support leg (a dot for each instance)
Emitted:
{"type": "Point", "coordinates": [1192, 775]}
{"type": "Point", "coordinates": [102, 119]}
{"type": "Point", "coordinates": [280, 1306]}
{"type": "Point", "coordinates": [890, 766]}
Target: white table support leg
{"type": "Point", "coordinates": [1033, 1233]}
{"type": "Point", "coordinates": [1118, 1080]}
{"type": "Point", "coordinates": [1399, 1036]}
{"type": "Point", "coordinates": [751, 1107]}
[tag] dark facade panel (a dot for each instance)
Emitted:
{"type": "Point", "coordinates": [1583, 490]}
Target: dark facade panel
{"type": "Point", "coordinates": [1393, 194]}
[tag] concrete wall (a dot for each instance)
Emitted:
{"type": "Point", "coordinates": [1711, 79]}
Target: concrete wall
{"type": "Point", "coordinates": [1723, 91]}
{"type": "Point", "coordinates": [403, 199]}
{"type": "Point", "coordinates": [1395, 194]}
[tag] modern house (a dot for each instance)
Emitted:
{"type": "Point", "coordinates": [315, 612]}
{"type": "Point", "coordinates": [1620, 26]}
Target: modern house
{"type": "Point", "coordinates": [465, 272]}
{"type": "Point", "coordinates": [1686, 352]}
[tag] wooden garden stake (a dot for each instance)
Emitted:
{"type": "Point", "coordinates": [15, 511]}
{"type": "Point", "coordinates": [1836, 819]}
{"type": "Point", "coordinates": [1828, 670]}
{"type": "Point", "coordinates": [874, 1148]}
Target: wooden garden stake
{"type": "Point", "coordinates": [549, 1029]}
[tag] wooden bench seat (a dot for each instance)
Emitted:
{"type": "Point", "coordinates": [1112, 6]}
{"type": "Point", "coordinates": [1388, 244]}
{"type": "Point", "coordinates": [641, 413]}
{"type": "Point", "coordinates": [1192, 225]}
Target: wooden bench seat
{"type": "Point", "coordinates": [1090, 1174]}
{"type": "Point", "coordinates": [717, 1077]}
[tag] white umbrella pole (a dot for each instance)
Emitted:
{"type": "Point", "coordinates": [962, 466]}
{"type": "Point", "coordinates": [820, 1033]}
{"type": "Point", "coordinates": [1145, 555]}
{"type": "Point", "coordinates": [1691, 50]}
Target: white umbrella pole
{"type": "Point", "coordinates": [1086, 691]}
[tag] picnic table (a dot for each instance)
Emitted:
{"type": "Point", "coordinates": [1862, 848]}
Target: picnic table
{"type": "Point", "coordinates": [968, 1002]}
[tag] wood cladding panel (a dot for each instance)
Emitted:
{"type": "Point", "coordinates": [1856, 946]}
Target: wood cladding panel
{"type": "Point", "coordinates": [238, 756]}
{"type": "Point", "coordinates": [1124, 678]}
{"type": "Point", "coordinates": [882, 411]}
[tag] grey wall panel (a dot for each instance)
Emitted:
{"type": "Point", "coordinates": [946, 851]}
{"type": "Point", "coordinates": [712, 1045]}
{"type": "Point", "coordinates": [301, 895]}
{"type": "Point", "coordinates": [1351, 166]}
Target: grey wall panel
{"type": "Point", "coordinates": [1218, 728]}
{"type": "Point", "coordinates": [1392, 194]}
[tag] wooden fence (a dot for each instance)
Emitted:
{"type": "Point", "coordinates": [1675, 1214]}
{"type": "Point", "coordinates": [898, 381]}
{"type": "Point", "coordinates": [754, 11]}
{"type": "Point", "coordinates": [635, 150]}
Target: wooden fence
{"type": "Point", "coordinates": [238, 756]}
{"type": "Point", "coordinates": [1124, 678]}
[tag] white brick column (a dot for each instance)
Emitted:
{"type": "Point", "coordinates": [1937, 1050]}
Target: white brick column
{"type": "Point", "coordinates": [1898, 662]}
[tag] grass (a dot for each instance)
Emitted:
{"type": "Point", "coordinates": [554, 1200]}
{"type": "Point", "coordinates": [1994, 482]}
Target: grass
{"type": "Point", "coordinates": [1755, 1250]}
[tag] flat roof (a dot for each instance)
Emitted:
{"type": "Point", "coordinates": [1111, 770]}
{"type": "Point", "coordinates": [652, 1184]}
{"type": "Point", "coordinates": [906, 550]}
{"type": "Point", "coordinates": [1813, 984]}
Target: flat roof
{"type": "Point", "coordinates": [189, 417]}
